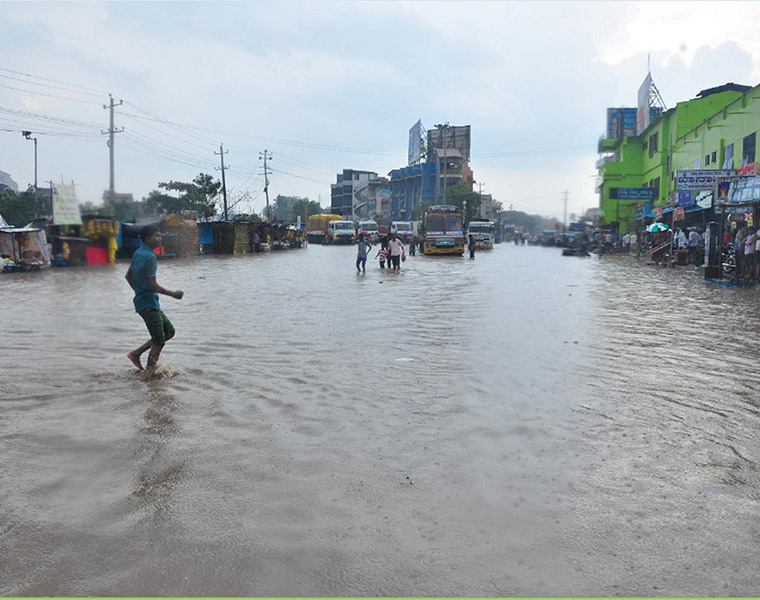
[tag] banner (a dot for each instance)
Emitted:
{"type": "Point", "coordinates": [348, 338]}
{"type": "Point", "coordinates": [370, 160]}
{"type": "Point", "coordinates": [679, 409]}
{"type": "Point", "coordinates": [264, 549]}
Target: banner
{"type": "Point", "coordinates": [699, 180]}
{"type": "Point", "coordinates": [744, 191]}
{"type": "Point", "coordinates": [65, 205]}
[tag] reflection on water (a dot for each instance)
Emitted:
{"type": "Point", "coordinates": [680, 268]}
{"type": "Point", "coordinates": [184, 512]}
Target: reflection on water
{"type": "Point", "coordinates": [519, 424]}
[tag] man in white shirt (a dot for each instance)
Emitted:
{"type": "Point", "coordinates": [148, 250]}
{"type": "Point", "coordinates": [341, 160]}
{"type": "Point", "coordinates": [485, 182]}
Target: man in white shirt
{"type": "Point", "coordinates": [396, 249]}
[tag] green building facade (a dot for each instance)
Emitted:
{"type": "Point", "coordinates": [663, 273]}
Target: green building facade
{"type": "Point", "coordinates": [716, 130]}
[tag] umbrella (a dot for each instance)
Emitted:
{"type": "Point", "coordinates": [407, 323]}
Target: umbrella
{"type": "Point", "coordinates": [655, 227]}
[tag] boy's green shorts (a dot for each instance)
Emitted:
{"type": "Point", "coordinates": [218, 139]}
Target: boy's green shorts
{"type": "Point", "coordinates": [158, 325]}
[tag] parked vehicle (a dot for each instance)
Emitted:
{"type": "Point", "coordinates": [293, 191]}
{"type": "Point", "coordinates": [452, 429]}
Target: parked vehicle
{"type": "Point", "coordinates": [340, 232]}
{"type": "Point", "coordinates": [483, 233]}
{"type": "Point", "coordinates": [317, 228]}
{"type": "Point", "coordinates": [370, 230]}
{"type": "Point", "coordinates": [403, 229]}
{"type": "Point", "coordinates": [443, 230]}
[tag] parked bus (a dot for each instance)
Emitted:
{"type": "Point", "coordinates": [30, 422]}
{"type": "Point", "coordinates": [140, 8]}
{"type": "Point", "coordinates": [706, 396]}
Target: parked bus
{"type": "Point", "coordinates": [403, 229]}
{"type": "Point", "coordinates": [443, 230]}
{"type": "Point", "coordinates": [483, 232]}
{"type": "Point", "coordinates": [317, 228]}
{"type": "Point", "coordinates": [370, 230]}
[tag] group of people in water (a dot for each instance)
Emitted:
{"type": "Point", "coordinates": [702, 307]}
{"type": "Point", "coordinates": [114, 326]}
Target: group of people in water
{"type": "Point", "coordinates": [392, 251]}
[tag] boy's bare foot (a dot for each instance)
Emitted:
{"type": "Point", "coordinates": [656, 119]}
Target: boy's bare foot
{"type": "Point", "coordinates": [135, 361]}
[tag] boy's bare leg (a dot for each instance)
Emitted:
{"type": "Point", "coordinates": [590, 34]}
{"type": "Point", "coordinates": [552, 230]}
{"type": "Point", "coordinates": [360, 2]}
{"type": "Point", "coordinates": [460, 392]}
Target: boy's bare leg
{"type": "Point", "coordinates": [135, 355]}
{"type": "Point", "coordinates": [155, 352]}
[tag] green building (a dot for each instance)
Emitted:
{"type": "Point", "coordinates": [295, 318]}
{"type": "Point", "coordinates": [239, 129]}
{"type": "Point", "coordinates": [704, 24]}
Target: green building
{"type": "Point", "coordinates": [714, 130]}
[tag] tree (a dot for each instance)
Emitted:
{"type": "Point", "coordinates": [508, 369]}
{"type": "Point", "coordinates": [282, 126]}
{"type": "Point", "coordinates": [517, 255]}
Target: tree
{"type": "Point", "coordinates": [289, 208]}
{"type": "Point", "coordinates": [461, 197]}
{"type": "Point", "coordinates": [18, 209]}
{"type": "Point", "coordinates": [200, 196]}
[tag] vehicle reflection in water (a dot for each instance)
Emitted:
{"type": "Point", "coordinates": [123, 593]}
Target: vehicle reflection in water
{"type": "Point", "coordinates": [519, 424]}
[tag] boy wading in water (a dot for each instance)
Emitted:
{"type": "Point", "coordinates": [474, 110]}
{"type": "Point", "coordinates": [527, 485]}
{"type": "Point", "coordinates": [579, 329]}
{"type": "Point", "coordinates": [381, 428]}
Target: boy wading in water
{"type": "Point", "coordinates": [141, 277]}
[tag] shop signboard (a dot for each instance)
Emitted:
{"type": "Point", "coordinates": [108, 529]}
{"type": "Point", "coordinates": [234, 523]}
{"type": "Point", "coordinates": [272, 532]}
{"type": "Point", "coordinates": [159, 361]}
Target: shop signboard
{"type": "Point", "coordinates": [635, 193]}
{"type": "Point", "coordinates": [684, 199]}
{"type": "Point", "coordinates": [658, 211]}
{"type": "Point", "coordinates": [65, 206]}
{"type": "Point", "coordinates": [679, 212]}
{"type": "Point", "coordinates": [700, 180]}
{"type": "Point", "coordinates": [750, 169]}
{"type": "Point", "coordinates": [744, 191]}
{"type": "Point", "coordinates": [704, 199]}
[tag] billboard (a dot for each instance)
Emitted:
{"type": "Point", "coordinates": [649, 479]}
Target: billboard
{"type": "Point", "coordinates": [621, 123]}
{"type": "Point", "coordinates": [415, 143]}
{"type": "Point", "coordinates": [454, 136]}
{"type": "Point", "coordinates": [698, 180]}
{"type": "Point", "coordinates": [642, 104]}
{"type": "Point", "coordinates": [65, 206]}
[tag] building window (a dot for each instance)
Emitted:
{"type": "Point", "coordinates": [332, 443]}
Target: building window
{"type": "Point", "coordinates": [653, 139]}
{"type": "Point", "coordinates": [707, 160]}
{"type": "Point", "coordinates": [748, 150]}
{"type": "Point", "coordinates": [714, 157]}
{"type": "Point", "coordinates": [728, 157]}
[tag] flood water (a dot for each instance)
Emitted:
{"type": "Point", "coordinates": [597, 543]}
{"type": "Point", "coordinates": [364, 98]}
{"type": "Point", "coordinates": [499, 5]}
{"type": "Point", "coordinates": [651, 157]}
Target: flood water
{"type": "Point", "coordinates": [519, 424]}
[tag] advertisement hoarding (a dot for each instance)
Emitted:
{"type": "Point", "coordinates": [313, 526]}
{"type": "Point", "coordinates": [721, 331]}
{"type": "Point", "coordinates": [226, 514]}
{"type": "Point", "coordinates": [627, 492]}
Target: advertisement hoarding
{"type": "Point", "coordinates": [65, 205]}
{"type": "Point", "coordinates": [415, 143]}
{"type": "Point", "coordinates": [621, 123]}
{"type": "Point", "coordinates": [642, 104]}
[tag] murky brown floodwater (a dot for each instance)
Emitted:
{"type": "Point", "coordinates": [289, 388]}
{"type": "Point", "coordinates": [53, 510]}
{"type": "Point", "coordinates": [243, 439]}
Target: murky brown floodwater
{"type": "Point", "coordinates": [521, 424]}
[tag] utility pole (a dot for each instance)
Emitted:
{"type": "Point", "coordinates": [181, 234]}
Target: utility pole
{"type": "Point", "coordinates": [28, 136]}
{"type": "Point", "coordinates": [221, 154]}
{"type": "Point", "coordinates": [565, 219]}
{"type": "Point", "coordinates": [266, 155]}
{"type": "Point", "coordinates": [111, 131]}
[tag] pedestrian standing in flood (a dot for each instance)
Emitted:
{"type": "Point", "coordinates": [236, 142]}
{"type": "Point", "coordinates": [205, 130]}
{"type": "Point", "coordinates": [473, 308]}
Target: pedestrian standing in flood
{"type": "Point", "coordinates": [413, 246]}
{"type": "Point", "coordinates": [362, 249]}
{"type": "Point", "coordinates": [396, 248]}
{"type": "Point", "coordinates": [471, 246]}
{"type": "Point", "coordinates": [141, 277]}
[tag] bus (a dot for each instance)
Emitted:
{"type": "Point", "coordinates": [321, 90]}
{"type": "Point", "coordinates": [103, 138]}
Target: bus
{"type": "Point", "coordinates": [483, 232]}
{"type": "Point", "coordinates": [443, 230]}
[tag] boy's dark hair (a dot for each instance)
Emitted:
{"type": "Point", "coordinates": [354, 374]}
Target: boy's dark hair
{"type": "Point", "coordinates": [147, 231]}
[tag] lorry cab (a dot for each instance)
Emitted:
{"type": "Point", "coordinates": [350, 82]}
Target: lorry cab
{"type": "Point", "coordinates": [403, 229]}
{"type": "Point", "coordinates": [340, 232]}
{"type": "Point", "coordinates": [370, 230]}
{"type": "Point", "coordinates": [483, 234]}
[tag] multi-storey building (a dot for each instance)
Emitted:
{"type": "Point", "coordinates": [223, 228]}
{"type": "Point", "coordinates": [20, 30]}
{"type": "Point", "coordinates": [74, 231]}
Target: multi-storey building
{"type": "Point", "coordinates": [343, 192]}
{"type": "Point", "coordinates": [640, 170]}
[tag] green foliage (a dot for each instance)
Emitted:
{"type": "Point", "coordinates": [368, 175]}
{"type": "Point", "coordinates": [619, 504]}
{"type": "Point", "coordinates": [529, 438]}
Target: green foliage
{"type": "Point", "coordinates": [289, 208]}
{"type": "Point", "coordinates": [199, 196]}
{"type": "Point", "coordinates": [529, 223]}
{"type": "Point", "coordinates": [18, 208]}
{"type": "Point", "coordinates": [460, 196]}
{"type": "Point", "coordinates": [246, 217]}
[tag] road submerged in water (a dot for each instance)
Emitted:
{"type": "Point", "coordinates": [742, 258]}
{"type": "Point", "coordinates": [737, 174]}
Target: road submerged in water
{"type": "Point", "coordinates": [521, 424]}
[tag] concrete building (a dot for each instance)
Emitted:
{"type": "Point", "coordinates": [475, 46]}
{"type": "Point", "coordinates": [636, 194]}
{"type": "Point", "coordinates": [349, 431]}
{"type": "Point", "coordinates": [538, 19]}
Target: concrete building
{"type": "Point", "coordinates": [7, 182]}
{"type": "Point", "coordinates": [412, 187]}
{"type": "Point", "coordinates": [636, 174]}
{"type": "Point", "coordinates": [342, 192]}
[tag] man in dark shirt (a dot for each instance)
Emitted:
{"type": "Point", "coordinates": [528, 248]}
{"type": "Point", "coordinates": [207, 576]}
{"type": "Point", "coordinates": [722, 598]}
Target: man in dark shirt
{"type": "Point", "coordinates": [141, 277]}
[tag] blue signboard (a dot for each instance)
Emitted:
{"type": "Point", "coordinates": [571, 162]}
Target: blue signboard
{"type": "Point", "coordinates": [745, 190]}
{"type": "Point", "coordinates": [635, 193]}
{"type": "Point", "coordinates": [684, 199]}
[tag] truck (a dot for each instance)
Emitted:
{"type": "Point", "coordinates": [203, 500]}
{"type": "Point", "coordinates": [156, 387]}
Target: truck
{"type": "Point", "coordinates": [317, 228]}
{"type": "Point", "coordinates": [483, 234]}
{"type": "Point", "coordinates": [402, 229]}
{"type": "Point", "coordinates": [370, 230]}
{"type": "Point", "coordinates": [443, 230]}
{"type": "Point", "coordinates": [340, 232]}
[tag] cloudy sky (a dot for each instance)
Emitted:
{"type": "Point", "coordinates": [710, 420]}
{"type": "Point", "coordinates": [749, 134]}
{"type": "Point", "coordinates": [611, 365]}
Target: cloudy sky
{"type": "Point", "coordinates": [331, 85]}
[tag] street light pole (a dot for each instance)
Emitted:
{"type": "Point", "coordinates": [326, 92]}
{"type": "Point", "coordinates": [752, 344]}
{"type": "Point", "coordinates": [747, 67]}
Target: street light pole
{"type": "Point", "coordinates": [28, 135]}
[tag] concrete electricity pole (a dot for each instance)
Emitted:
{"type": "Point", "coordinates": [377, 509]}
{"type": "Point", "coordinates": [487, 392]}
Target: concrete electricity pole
{"type": "Point", "coordinates": [565, 219]}
{"type": "Point", "coordinates": [28, 136]}
{"type": "Point", "coordinates": [266, 155]}
{"type": "Point", "coordinates": [221, 154]}
{"type": "Point", "coordinates": [111, 131]}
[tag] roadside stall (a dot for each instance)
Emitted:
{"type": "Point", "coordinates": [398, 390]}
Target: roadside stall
{"type": "Point", "coordinates": [738, 201]}
{"type": "Point", "coordinates": [23, 249]}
